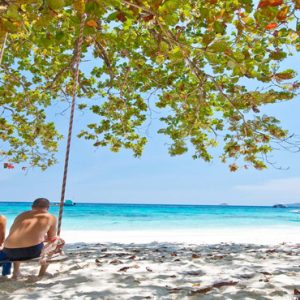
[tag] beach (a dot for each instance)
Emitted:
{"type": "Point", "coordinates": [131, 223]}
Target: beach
{"type": "Point", "coordinates": [167, 252]}
{"type": "Point", "coordinates": [257, 235]}
{"type": "Point", "coordinates": [149, 150]}
{"type": "Point", "coordinates": [153, 265]}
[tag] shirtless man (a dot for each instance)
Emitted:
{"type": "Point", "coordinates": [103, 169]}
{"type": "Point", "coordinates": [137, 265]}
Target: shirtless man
{"type": "Point", "coordinates": [28, 233]}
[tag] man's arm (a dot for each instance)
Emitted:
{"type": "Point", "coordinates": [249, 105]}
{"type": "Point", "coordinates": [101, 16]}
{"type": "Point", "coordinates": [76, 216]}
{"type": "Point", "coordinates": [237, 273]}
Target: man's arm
{"type": "Point", "coordinates": [2, 230]}
{"type": "Point", "coordinates": [52, 230]}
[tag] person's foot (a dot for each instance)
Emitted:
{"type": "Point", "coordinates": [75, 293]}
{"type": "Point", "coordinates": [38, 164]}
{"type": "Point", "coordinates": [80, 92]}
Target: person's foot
{"type": "Point", "coordinates": [43, 270]}
{"type": "Point", "coordinates": [17, 276]}
{"type": "Point", "coordinates": [45, 275]}
{"type": "Point", "coordinates": [32, 279]}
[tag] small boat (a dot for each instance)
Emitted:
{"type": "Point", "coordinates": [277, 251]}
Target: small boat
{"type": "Point", "coordinates": [296, 211]}
{"type": "Point", "coordinates": [66, 203]}
{"type": "Point", "coordinates": [69, 203]}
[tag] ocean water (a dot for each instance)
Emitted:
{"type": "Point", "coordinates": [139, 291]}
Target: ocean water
{"type": "Point", "coordinates": [86, 216]}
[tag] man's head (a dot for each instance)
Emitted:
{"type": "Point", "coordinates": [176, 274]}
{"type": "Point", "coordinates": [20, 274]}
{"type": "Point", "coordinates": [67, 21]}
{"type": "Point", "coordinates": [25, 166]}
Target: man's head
{"type": "Point", "coordinates": [41, 203]}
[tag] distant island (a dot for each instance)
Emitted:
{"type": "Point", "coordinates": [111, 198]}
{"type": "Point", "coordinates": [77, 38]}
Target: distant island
{"type": "Point", "coordinates": [286, 205]}
{"type": "Point", "coordinates": [224, 204]}
{"type": "Point", "coordinates": [279, 206]}
{"type": "Point", "coordinates": [293, 205]}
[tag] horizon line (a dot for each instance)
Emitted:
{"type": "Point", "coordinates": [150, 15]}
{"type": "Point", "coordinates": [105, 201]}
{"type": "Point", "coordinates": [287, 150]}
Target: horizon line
{"type": "Point", "coordinates": [178, 204]}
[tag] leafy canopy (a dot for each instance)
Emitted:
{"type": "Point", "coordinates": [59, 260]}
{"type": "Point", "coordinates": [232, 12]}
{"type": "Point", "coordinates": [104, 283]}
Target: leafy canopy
{"type": "Point", "coordinates": [192, 59]}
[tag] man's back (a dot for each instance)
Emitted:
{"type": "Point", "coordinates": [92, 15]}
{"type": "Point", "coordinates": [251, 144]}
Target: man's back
{"type": "Point", "coordinates": [30, 228]}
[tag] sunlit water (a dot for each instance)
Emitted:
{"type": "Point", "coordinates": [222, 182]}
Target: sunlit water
{"type": "Point", "coordinates": [163, 217]}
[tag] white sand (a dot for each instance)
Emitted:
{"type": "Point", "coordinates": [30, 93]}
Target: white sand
{"type": "Point", "coordinates": [177, 266]}
{"type": "Point", "coordinates": [258, 235]}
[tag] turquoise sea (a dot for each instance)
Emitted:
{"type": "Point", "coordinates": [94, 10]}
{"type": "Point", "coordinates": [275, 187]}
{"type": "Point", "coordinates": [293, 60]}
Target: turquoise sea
{"type": "Point", "coordinates": [91, 216]}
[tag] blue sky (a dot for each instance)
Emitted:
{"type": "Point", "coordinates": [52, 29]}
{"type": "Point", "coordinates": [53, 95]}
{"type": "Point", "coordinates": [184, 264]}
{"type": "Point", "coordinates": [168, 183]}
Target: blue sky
{"type": "Point", "coordinates": [97, 175]}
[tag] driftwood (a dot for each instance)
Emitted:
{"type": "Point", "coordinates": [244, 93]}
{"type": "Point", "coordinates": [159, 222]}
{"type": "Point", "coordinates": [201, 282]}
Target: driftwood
{"type": "Point", "coordinates": [203, 290]}
{"type": "Point", "coordinates": [209, 288]}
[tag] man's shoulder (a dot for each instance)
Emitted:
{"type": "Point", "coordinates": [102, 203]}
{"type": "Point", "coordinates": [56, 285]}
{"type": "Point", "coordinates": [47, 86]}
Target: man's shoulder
{"type": "Point", "coordinates": [50, 216]}
{"type": "Point", "coordinates": [51, 219]}
{"type": "Point", "coordinates": [2, 218]}
{"type": "Point", "coordinates": [47, 215]}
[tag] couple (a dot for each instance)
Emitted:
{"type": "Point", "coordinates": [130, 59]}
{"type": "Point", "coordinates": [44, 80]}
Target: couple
{"type": "Point", "coordinates": [27, 236]}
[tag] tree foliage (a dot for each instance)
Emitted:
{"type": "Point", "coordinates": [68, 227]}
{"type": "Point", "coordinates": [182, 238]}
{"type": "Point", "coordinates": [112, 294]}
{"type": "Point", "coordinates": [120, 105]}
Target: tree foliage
{"type": "Point", "coordinates": [192, 59]}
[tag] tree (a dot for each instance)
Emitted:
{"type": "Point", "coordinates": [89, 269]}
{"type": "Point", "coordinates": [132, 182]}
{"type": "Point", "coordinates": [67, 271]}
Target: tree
{"type": "Point", "coordinates": [191, 58]}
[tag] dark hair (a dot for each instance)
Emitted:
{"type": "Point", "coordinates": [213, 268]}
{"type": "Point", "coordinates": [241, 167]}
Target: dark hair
{"type": "Point", "coordinates": [41, 203]}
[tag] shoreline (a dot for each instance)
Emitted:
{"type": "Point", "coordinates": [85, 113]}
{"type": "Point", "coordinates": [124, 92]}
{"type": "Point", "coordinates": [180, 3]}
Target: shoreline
{"type": "Point", "coordinates": [263, 236]}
